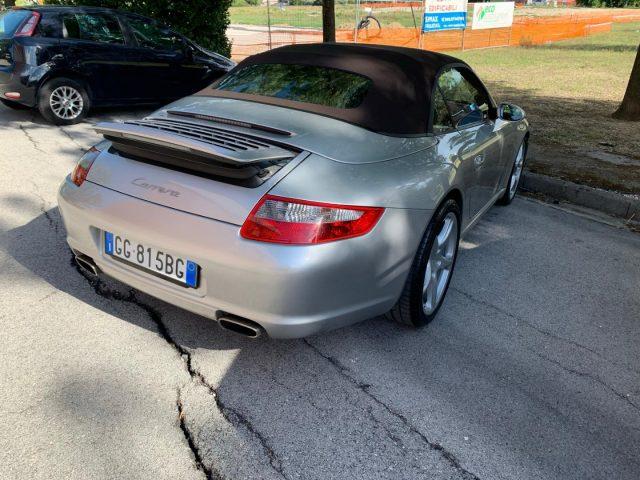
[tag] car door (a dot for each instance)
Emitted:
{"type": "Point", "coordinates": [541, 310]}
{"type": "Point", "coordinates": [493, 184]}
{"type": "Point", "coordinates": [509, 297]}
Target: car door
{"type": "Point", "coordinates": [93, 45]}
{"type": "Point", "coordinates": [479, 145]}
{"type": "Point", "coordinates": [160, 52]}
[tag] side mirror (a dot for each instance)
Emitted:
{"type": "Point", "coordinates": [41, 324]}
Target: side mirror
{"type": "Point", "coordinates": [510, 112]}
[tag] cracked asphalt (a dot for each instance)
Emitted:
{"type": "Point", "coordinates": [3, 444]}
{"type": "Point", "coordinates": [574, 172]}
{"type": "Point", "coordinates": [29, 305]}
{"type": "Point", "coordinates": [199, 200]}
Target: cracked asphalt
{"type": "Point", "coordinates": [531, 370]}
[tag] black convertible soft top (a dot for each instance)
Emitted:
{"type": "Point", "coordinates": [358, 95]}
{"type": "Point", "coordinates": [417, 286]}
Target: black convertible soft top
{"type": "Point", "coordinates": [398, 100]}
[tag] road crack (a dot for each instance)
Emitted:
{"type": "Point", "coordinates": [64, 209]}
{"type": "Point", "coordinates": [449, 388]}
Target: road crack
{"type": "Point", "coordinates": [591, 377]}
{"type": "Point", "coordinates": [573, 371]}
{"type": "Point", "coordinates": [32, 140]}
{"type": "Point", "coordinates": [540, 330]}
{"type": "Point", "coordinates": [70, 137]}
{"type": "Point", "coordinates": [230, 414]}
{"type": "Point", "coordinates": [366, 389]}
{"type": "Point", "coordinates": [200, 465]}
{"type": "Point", "coordinates": [53, 222]}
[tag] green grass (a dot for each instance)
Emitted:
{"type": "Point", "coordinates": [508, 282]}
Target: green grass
{"type": "Point", "coordinates": [569, 88]}
{"type": "Point", "coordinates": [311, 16]}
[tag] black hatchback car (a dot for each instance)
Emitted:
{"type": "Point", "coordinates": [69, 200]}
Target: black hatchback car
{"type": "Point", "coordinates": [64, 60]}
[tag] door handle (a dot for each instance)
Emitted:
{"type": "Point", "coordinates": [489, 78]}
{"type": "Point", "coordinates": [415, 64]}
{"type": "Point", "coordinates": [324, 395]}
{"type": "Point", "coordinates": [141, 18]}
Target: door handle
{"type": "Point", "coordinates": [479, 160]}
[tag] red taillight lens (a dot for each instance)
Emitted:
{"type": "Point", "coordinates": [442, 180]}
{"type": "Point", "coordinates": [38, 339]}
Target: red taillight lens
{"type": "Point", "coordinates": [80, 172]}
{"type": "Point", "coordinates": [300, 222]}
{"type": "Point", "coordinates": [29, 26]}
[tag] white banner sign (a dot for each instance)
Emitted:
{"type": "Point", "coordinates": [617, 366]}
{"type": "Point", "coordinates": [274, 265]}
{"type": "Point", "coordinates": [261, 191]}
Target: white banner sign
{"type": "Point", "coordinates": [492, 15]}
{"type": "Point", "coordinates": [444, 6]}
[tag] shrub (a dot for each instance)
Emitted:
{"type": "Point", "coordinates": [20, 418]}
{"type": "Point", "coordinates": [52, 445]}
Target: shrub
{"type": "Point", "coordinates": [203, 21]}
{"type": "Point", "coordinates": [609, 3]}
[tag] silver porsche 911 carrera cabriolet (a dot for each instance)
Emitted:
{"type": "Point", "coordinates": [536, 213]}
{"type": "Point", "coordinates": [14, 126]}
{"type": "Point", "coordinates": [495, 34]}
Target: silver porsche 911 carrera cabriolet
{"type": "Point", "coordinates": [311, 187]}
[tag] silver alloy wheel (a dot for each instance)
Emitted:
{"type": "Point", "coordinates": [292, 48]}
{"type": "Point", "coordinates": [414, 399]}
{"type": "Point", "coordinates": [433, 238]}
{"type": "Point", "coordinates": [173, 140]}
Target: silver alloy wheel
{"type": "Point", "coordinates": [66, 102]}
{"type": "Point", "coordinates": [440, 264]}
{"type": "Point", "coordinates": [517, 171]}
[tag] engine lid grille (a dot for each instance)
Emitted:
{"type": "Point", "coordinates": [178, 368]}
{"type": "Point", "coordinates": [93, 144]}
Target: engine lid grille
{"type": "Point", "coordinates": [204, 133]}
{"type": "Point", "coordinates": [200, 139]}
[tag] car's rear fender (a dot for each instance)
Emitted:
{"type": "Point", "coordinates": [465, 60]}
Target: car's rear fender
{"type": "Point", "coordinates": [419, 181]}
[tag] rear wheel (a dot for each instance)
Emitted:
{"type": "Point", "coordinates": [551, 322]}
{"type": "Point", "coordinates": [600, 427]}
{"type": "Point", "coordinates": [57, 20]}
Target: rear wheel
{"type": "Point", "coordinates": [13, 105]}
{"type": "Point", "coordinates": [432, 268]}
{"type": "Point", "coordinates": [515, 176]}
{"type": "Point", "coordinates": [63, 101]}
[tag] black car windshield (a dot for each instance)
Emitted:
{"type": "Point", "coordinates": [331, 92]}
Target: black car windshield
{"type": "Point", "coordinates": [11, 20]}
{"type": "Point", "coordinates": [300, 83]}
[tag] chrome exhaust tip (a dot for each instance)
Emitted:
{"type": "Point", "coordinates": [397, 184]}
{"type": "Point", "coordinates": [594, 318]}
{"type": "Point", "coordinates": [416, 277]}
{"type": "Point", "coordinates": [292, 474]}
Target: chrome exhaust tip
{"type": "Point", "coordinates": [240, 326]}
{"type": "Point", "coordinates": [87, 265]}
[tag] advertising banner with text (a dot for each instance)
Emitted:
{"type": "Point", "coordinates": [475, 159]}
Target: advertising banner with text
{"type": "Point", "coordinates": [492, 15]}
{"type": "Point", "coordinates": [444, 15]}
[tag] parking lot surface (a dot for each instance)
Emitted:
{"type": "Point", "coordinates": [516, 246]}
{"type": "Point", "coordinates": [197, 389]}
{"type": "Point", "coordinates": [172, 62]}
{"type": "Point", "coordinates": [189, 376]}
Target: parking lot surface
{"type": "Point", "coordinates": [530, 371]}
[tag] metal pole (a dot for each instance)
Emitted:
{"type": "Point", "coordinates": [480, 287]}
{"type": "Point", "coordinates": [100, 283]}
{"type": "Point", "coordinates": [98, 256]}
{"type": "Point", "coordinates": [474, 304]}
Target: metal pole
{"type": "Point", "coordinates": [424, 9]}
{"type": "Point", "coordinates": [355, 28]}
{"type": "Point", "coordinates": [463, 30]}
{"type": "Point", "coordinates": [269, 22]}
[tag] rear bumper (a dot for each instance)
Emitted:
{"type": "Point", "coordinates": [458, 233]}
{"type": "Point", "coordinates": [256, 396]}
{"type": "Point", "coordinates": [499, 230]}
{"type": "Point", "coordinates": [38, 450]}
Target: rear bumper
{"type": "Point", "coordinates": [14, 79]}
{"type": "Point", "coordinates": [291, 291]}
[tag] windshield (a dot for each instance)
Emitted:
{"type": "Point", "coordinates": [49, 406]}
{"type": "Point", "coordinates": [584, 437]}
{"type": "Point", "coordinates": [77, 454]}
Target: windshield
{"type": "Point", "coordinates": [11, 20]}
{"type": "Point", "coordinates": [300, 83]}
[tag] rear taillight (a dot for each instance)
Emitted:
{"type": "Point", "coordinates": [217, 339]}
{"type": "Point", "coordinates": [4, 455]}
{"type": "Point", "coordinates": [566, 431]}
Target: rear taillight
{"type": "Point", "coordinates": [29, 26]}
{"type": "Point", "coordinates": [80, 172]}
{"type": "Point", "coordinates": [300, 222]}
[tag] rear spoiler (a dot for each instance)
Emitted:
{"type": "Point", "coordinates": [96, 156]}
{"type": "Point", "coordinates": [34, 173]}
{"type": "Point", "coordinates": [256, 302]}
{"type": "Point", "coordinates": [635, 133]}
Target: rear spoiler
{"type": "Point", "coordinates": [204, 141]}
{"type": "Point", "coordinates": [198, 148]}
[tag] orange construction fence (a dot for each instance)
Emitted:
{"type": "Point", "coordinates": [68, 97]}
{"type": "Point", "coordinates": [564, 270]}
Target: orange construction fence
{"type": "Point", "coordinates": [526, 30]}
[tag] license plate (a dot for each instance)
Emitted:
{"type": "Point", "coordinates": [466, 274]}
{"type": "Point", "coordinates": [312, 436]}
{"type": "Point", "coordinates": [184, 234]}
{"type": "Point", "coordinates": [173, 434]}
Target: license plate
{"type": "Point", "coordinates": [151, 259]}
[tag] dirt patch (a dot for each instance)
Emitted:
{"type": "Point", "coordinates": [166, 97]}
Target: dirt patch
{"type": "Point", "coordinates": [594, 169]}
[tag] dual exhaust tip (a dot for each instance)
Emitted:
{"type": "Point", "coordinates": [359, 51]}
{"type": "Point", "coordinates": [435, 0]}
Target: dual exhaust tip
{"type": "Point", "coordinates": [240, 326]}
{"type": "Point", "coordinates": [87, 264]}
{"type": "Point", "coordinates": [235, 324]}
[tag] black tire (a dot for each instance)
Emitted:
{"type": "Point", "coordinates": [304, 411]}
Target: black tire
{"type": "Point", "coordinates": [44, 105]}
{"type": "Point", "coordinates": [13, 105]}
{"type": "Point", "coordinates": [409, 308]}
{"type": "Point", "coordinates": [508, 196]}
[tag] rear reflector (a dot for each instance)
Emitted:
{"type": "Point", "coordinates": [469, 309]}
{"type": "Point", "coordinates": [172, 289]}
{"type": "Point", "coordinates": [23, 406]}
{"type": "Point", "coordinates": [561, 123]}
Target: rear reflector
{"type": "Point", "coordinates": [29, 26]}
{"type": "Point", "coordinates": [301, 222]}
{"type": "Point", "coordinates": [12, 95]}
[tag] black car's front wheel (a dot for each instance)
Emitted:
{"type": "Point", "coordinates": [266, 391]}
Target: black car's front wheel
{"type": "Point", "coordinates": [63, 101]}
{"type": "Point", "coordinates": [432, 268]}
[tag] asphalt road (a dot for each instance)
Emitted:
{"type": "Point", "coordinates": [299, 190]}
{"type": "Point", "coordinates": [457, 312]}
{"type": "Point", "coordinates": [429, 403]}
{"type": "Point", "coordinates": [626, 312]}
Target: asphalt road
{"type": "Point", "coordinates": [531, 370]}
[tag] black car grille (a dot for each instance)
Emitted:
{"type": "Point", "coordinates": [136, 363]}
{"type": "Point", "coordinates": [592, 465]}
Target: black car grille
{"type": "Point", "coordinates": [204, 133]}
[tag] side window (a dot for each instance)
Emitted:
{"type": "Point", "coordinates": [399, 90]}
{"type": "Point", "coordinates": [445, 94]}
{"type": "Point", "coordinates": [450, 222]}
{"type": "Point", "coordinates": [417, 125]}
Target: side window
{"type": "Point", "coordinates": [441, 119]}
{"type": "Point", "coordinates": [152, 35]}
{"type": "Point", "coordinates": [49, 26]}
{"type": "Point", "coordinates": [92, 27]}
{"type": "Point", "coordinates": [467, 101]}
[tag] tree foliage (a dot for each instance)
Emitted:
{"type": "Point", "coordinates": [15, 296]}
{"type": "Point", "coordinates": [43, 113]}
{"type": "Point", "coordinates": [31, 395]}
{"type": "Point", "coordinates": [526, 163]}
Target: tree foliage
{"type": "Point", "coordinates": [203, 21]}
{"type": "Point", "coordinates": [609, 3]}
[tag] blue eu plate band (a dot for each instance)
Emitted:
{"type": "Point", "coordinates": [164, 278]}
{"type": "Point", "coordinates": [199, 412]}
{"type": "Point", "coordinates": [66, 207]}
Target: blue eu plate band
{"type": "Point", "coordinates": [192, 274]}
{"type": "Point", "coordinates": [108, 243]}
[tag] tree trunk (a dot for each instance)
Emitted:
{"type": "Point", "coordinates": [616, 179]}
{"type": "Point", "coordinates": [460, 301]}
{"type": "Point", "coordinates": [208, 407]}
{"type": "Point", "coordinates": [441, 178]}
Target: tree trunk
{"type": "Point", "coordinates": [630, 107]}
{"type": "Point", "coordinates": [328, 21]}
